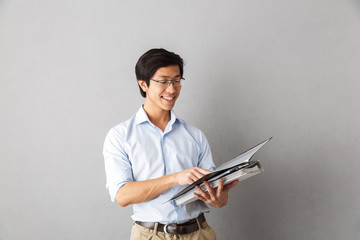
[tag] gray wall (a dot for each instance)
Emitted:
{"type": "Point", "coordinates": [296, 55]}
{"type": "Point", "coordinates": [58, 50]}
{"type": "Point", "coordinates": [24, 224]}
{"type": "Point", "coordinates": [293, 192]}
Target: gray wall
{"type": "Point", "coordinates": [254, 69]}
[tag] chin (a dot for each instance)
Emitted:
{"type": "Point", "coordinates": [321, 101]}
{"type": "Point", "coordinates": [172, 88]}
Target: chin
{"type": "Point", "coordinates": [168, 107]}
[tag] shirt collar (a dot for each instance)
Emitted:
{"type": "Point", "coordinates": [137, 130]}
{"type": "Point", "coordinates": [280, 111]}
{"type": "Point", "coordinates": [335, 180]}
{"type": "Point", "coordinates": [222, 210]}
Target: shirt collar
{"type": "Point", "coordinates": [142, 117]}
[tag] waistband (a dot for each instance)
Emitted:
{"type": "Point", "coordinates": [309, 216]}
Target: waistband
{"type": "Point", "coordinates": [174, 228]}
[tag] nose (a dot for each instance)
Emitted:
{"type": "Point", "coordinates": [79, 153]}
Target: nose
{"type": "Point", "coordinates": [171, 87]}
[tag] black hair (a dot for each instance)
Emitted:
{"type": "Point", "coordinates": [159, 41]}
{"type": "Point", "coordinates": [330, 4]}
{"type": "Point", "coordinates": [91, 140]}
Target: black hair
{"type": "Point", "coordinates": [152, 60]}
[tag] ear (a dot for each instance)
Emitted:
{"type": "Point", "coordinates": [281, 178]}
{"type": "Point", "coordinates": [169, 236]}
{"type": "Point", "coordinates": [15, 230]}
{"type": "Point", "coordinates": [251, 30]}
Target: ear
{"type": "Point", "coordinates": [143, 85]}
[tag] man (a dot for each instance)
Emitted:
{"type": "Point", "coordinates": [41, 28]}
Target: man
{"type": "Point", "coordinates": [150, 157]}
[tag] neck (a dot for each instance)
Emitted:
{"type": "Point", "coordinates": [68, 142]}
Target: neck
{"type": "Point", "coordinates": [159, 117]}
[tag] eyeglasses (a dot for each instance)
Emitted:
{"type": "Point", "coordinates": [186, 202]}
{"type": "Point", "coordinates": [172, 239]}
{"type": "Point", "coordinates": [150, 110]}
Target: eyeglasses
{"type": "Point", "coordinates": [166, 83]}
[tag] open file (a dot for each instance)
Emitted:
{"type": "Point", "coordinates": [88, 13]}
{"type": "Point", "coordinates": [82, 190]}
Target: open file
{"type": "Point", "coordinates": [241, 167]}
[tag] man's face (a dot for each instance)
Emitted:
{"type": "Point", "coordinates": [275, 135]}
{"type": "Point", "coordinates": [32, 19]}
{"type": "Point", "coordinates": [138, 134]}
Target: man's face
{"type": "Point", "coordinates": [160, 95]}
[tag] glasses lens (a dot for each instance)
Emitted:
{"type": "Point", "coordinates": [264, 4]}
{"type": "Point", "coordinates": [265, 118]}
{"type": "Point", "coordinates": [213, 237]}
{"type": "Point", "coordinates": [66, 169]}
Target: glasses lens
{"type": "Point", "coordinates": [176, 83]}
{"type": "Point", "coordinates": [166, 83]}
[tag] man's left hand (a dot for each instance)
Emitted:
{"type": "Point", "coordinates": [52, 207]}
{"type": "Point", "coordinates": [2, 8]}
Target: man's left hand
{"type": "Point", "coordinates": [216, 197]}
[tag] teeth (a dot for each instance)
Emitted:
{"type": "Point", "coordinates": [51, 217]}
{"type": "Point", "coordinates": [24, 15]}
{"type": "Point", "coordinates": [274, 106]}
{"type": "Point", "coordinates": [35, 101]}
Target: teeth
{"type": "Point", "coordinates": [167, 98]}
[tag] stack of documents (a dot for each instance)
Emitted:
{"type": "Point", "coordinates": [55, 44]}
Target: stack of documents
{"type": "Point", "coordinates": [241, 167]}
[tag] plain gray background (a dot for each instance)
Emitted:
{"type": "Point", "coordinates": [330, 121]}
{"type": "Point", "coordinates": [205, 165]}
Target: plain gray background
{"type": "Point", "coordinates": [254, 69]}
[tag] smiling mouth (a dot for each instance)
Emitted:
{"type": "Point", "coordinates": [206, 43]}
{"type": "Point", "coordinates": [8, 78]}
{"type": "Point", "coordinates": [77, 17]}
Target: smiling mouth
{"type": "Point", "coordinates": [168, 98]}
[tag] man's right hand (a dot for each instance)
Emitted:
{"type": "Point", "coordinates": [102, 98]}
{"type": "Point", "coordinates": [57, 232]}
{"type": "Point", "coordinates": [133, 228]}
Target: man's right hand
{"type": "Point", "coordinates": [190, 175]}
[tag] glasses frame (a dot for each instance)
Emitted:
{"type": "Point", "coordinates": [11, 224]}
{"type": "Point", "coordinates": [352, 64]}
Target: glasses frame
{"type": "Point", "coordinates": [166, 83]}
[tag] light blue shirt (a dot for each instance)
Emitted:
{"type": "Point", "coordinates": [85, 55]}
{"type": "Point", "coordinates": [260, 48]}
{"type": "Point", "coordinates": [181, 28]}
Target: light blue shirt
{"type": "Point", "coordinates": [137, 150]}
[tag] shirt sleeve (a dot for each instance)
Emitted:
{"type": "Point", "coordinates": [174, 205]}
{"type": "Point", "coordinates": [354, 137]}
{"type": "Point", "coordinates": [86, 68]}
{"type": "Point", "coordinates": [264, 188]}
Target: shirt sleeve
{"type": "Point", "coordinates": [205, 156]}
{"type": "Point", "coordinates": [117, 164]}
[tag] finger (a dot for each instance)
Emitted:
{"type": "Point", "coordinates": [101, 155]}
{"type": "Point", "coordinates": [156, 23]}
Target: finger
{"type": "Point", "coordinates": [200, 197]}
{"type": "Point", "coordinates": [190, 178]}
{"type": "Point", "coordinates": [209, 189]}
{"type": "Point", "coordinates": [220, 187]}
{"type": "Point", "coordinates": [202, 192]}
{"type": "Point", "coordinates": [197, 173]}
{"type": "Point", "coordinates": [202, 171]}
{"type": "Point", "coordinates": [230, 185]}
{"type": "Point", "coordinates": [193, 177]}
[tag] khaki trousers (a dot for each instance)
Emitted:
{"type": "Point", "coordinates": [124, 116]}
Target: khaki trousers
{"type": "Point", "coordinates": [141, 233]}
